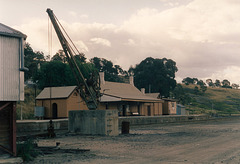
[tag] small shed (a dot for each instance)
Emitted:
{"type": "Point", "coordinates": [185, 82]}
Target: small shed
{"type": "Point", "coordinates": [181, 110]}
{"type": "Point", "coordinates": [11, 84]}
{"type": "Point", "coordinates": [58, 101]}
{"type": "Point", "coordinates": [169, 106]}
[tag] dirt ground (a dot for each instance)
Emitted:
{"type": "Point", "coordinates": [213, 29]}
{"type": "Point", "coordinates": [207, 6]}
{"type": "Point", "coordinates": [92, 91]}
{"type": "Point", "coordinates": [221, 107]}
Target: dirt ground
{"type": "Point", "coordinates": [215, 141]}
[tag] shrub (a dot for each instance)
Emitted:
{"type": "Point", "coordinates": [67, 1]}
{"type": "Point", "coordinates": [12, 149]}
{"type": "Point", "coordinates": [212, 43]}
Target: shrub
{"type": "Point", "coordinates": [27, 150]}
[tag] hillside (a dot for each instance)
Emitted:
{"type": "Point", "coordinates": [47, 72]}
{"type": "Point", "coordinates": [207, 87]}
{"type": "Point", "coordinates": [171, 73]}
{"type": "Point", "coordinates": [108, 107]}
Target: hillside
{"type": "Point", "coordinates": [214, 100]}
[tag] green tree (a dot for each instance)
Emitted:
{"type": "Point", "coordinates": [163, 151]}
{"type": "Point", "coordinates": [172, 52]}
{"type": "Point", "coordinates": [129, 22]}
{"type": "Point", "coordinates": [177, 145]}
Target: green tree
{"type": "Point", "coordinates": [203, 88]}
{"type": "Point", "coordinates": [196, 90]}
{"type": "Point", "coordinates": [210, 82]}
{"type": "Point", "coordinates": [226, 84]}
{"type": "Point", "coordinates": [179, 94]}
{"type": "Point", "coordinates": [156, 75]}
{"type": "Point", "coordinates": [217, 83]}
{"type": "Point", "coordinates": [235, 86]}
{"type": "Point", "coordinates": [201, 83]}
{"type": "Point", "coordinates": [189, 80]}
{"type": "Point", "coordinates": [53, 74]}
{"type": "Point", "coordinates": [111, 71]}
{"type": "Point", "coordinates": [32, 61]}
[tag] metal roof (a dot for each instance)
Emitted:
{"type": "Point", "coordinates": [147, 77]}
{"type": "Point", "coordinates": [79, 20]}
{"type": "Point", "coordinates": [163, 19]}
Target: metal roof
{"type": "Point", "coordinates": [125, 92]}
{"type": "Point", "coordinates": [8, 31]}
{"type": "Point", "coordinates": [56, 92]}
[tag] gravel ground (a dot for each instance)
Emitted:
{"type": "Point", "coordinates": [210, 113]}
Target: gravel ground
{"type": "Point", "coordinates": [215, 141]}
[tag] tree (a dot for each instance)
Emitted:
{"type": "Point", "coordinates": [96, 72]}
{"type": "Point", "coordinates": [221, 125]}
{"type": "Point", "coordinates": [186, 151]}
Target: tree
{"type": "Point", "coordinates": [210, 82]}
{"type": "Point", "coordinates": [235, 86]}
{"type": "Point", "coordinates": [217, 83]}
{"type": "Point", "coordinates": [60, 56]}
{"type": "Point", "coordinates": [226, 84]}
{"type": "Point", "coordinates": [111, 71]}
{"type": "Point", "coordinates": [201, 83]}
{"type": "Point", "coordinates": [179, 94]}
{"type": "Point", "coordinates": [32, 61]}
{"type": "Point", "coordinates": [189, 80]}
{"type": "Point", "coordinates": [203, 88]}
{"type": "Point", "coordinates": [54, 74]}
{"type": "Point", "coordinates": [196, 90]}
{"type": "Point", "coordinates": [157, 74]}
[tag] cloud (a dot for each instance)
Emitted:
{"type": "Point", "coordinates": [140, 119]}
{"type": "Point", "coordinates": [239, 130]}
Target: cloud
{"type": "Point", "coordinates": [81, 46]}
{"type": "Point", "coordinates": [201, 36]}
{"type": "Point", "coordinates": [101, 41]}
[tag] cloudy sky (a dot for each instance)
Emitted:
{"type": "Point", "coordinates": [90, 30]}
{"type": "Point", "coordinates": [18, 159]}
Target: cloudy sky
{"type": "Point", "coordinates": [201, 36]}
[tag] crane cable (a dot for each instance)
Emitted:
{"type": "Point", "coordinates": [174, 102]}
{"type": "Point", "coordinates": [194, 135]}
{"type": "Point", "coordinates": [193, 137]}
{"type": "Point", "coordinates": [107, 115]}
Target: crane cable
{"type": "Point", "coordinates": [74, 51]}
{"type": "Point", "coordinates": [49, 39]}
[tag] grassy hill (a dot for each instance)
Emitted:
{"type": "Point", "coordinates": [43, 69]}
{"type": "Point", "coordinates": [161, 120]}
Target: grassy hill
{"type": "Point", "coordinates": [214, 100]}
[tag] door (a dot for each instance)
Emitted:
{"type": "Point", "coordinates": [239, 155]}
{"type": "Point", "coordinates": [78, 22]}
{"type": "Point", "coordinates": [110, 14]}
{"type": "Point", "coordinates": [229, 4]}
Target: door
{"type": "Point", "coordinates": [149, 110]}
{"type": "Point", "coordinates": [54, 111]}
{"type": "Point", "coordinates": [124, 110]}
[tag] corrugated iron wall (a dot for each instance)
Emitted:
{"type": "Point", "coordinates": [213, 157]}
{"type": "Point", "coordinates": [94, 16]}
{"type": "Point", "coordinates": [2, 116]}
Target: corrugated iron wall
{"type": "Point", "coordinates": [11, 85]}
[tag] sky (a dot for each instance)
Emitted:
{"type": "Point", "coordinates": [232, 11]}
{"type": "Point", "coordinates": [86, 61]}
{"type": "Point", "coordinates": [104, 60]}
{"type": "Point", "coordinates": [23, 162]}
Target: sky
{"type": "Point", "coordinates": [201, 36]}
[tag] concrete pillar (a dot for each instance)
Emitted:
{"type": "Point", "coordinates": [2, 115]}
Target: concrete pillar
{"type": "Point", "coordinates": [94, 122]}
{"type": "Point", "coordinates": [131, 80]}
{"type": "Point", "coordinates": [102, 81]}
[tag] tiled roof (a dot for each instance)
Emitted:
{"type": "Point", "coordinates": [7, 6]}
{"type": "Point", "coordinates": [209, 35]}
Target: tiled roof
{"type": "Point", "coordinates": [8, 31]}
{"type": "Point", "coordinates": [124, 91]}
{"type": "Point", "coordinates": [56, 92]}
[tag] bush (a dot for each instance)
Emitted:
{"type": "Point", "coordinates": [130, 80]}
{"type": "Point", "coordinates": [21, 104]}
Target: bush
{"type": "Point", "coordinates": [27, 150]}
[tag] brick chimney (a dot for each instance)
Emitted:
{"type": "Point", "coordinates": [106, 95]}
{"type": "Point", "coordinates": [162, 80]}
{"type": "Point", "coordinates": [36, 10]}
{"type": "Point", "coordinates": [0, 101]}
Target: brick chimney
{"type": "Point", "coordinates": [102, 81]}
{"type": "Point", "coordinates": [131, 81]}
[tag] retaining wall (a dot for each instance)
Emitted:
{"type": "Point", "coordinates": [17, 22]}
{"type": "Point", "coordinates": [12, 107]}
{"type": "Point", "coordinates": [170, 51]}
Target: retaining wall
{"type": "Point", "coordinates": [40, 125]}
{"type": "Point", "coordinates": [28, 126]}
{"type": "Point", "coordinates": [146, 120]}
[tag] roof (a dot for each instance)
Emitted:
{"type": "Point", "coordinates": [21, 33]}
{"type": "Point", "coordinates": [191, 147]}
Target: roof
{"type": "Point", "coordinates": [8, 31]}
{"type": "Point", "coordinates": [56, 92]}
{"type": "Point", "coordinates": [154, 95]}
{"type": "Point", "coordinates": [123, 92]}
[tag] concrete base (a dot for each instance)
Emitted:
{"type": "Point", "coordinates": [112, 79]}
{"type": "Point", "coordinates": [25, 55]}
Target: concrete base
{"type": "Point", "coordinates": [94, 122]}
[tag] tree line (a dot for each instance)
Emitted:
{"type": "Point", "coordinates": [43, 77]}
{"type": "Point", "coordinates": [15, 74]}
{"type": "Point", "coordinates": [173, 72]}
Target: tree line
{"type": "Point", "coordinates": [223, 84]}
{"type": "Point", "coordinates": [153, 74]}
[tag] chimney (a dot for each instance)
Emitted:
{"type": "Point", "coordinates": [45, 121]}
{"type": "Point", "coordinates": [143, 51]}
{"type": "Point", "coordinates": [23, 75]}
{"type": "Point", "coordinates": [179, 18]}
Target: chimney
{"type": "Point", "coordinates": [143, 90]}
{"type": "Point", "coordinates": [102, 81]}
{"type": "Point", "coordinates": [131, 80]}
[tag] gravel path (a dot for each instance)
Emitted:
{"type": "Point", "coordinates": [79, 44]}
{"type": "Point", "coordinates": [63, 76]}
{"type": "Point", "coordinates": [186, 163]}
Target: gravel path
{"type": "Point", "coordinates": [197, 142]}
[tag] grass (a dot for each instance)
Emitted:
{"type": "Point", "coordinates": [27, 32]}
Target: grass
{"type": "Point", "coordinates": [214, 100]}
{"type": "Point", "coordinates": [28, 104]}
{"type": "Point", "coordinates": [27, 150]}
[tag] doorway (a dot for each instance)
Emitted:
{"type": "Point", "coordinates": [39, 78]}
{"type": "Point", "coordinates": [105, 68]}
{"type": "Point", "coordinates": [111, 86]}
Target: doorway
{"type": "Point", "coordinates": [149, 110]}
{"type": "Point", "coordinates": [124, 110]}
{"type": "Point", "coordinates": [54, 111]}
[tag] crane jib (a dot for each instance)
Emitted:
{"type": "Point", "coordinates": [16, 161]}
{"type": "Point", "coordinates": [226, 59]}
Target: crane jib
{"type": "Point", "coordinates": [89, 93]}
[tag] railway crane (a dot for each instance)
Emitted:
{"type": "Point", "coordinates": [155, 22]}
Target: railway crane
{"type": "Point", "coordinates": [88, 83]}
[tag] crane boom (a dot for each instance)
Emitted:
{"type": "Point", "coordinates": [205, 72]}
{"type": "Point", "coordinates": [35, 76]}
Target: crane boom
{"type": "Point", "coordinates": [89, 91]}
